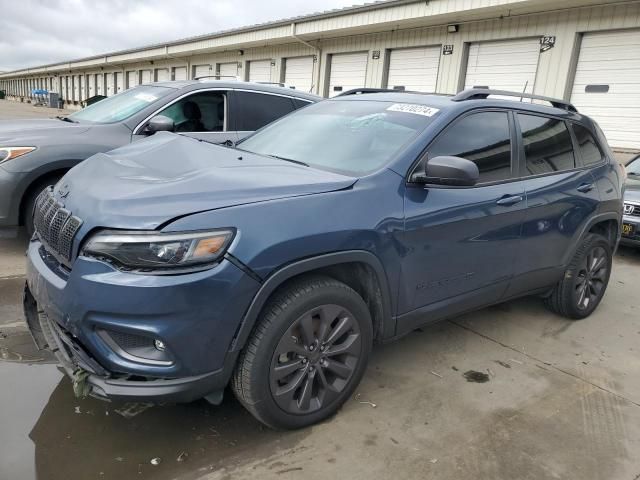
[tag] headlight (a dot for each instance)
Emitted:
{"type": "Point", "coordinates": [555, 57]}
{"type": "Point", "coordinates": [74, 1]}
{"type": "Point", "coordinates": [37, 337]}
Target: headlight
{"type": "Point", "coordinates": [162, 252]}
{"type": "Point", "coordinates": [9, 153]}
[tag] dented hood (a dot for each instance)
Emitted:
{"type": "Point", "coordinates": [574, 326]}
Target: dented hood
{"type": "Point", "coordinates": [151, 182]}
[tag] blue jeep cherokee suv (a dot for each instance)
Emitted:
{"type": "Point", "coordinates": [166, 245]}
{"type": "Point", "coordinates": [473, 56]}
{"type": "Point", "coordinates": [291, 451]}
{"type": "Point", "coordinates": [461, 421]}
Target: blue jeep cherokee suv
{"type": "Point", "coordinates": [169, 268]}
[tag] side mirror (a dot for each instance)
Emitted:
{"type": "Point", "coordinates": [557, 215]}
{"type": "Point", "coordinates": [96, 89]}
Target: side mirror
{"type": "Point", "coordinates": [159, 123]}
{"type": "Point", "coordinates": [453, 171]}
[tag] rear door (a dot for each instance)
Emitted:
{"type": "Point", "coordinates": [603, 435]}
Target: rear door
{"type": "Point", "coordinates": [251, 111]}
{"type": "Point", "coordinates": [461, 242]}
{"type": "Point", "coordinates": [561, 197]}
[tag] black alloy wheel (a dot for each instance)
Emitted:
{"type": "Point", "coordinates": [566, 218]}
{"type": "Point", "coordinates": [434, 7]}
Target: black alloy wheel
{"type": "Point", "coordinates": [592, 277]}
{"type": "Point", "coordinates": [315, 359]}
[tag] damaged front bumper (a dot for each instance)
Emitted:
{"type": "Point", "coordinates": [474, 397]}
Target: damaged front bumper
{"type": "Point", "coordinates": [90, 378]}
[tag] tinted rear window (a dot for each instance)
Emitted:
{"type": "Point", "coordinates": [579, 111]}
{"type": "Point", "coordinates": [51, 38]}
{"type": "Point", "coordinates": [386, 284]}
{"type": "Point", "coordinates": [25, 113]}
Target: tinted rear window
{"type": "Point", "coordinates": [547, 144]}
{"type": "Point", "coordinates": [589, 150]}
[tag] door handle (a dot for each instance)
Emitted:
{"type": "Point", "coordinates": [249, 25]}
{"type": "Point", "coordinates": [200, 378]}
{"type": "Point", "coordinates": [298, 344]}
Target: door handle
{"type": "Point", "coordinates": [509, 200]}
{"type": "Point", "coordinates": [585, 187]}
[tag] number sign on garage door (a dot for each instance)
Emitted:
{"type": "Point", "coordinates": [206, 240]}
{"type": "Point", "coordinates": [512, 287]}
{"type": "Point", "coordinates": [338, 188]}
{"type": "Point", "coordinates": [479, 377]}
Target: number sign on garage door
{"type": "Point", "coordinates": [504, 65]}
{"type": "Point", "coordinates": [607, 84]}
{"type": "Point", "coordinates": [260, 71]}
{"type": "Point", "coordinates": [348, 71]}
{"type": "Point", "coordinates": [414, 69]}
{"type": "Point", "coordinates": [298, 73]}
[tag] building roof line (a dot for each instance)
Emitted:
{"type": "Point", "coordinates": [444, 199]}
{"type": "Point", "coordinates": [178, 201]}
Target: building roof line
{"type": "Point", "coordinates": [222, 33]}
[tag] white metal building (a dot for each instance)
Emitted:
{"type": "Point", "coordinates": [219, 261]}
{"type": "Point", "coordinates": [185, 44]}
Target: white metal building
{"type": "Point", "coordinates": [581, 50]}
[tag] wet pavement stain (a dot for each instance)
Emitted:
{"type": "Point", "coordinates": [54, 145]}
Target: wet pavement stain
{"type": "Point", "coordinates": [55, 436]}
{"type": "Point", "coordinates": [476, 377]}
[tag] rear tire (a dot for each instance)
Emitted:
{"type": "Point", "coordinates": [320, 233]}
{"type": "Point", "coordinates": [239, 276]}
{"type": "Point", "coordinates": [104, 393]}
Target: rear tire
{"type": "Point", "coordinates": [306, 355]}
{"type": "Point", "coordinates": [585, 281]}
{"type": "Point", "coordinates": [30, 202]}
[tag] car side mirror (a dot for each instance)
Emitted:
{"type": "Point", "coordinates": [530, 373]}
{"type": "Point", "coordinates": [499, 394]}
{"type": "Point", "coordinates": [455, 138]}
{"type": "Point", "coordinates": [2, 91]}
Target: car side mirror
{"type": "Point", "coordinates": [159, 123]}
{"type": "Point", "coordinates": [451, 171]}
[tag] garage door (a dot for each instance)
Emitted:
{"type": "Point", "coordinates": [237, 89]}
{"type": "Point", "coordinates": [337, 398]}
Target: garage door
{"type": "Point", "coordinates": [503, 65]}
{"type": "Point", "coordinates": [145, 76]}
{"type": "Point", "coordinates": [180, 73]}
{"type": "Point", "coordinates": [201, 71]}
{"type": "Point", "coordinates": [260, 71]}
{"type": "Point", "coordinates": [298, 73]}
{"type": "Point", "coordinates": [118, 79]}
{"type": "Point", "coordinates": [91, 82]}
{"type": "Point", "coordinates": [99, 82]}
{"type": "Point", "coordinates": [607, 85]}
{"type": "Point", "coordinates": [348, 71]}
{"type": "Point", "coordinates": [163, 75]}
{"type": "Point", "coordinates": [228, 71]}
{"type": "Point", "coordinates": [132, 79]}
{"type": "Point", "coordinates": [414, 69]}
{"type": "Point", "coordinates": [76, 88]}
{"type": "Point", "coordinates": [110, 89]}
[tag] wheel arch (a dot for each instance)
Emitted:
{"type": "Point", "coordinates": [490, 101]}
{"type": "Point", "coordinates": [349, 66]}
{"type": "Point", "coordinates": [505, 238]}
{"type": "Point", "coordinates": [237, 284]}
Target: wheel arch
{"type": "Point", "coordinates": [33, 183]}
{"type": "Point", "coordinates": [605, 224]}
{"type": "Point", "coordinates": [359, 269]}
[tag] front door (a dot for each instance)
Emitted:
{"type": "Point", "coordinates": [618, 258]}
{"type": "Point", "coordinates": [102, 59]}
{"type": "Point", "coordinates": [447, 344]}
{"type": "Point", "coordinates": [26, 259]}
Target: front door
{"type": "Point", "coordinates": [202, 115]}
{"type": "Point", "coordinates": [461, 242]}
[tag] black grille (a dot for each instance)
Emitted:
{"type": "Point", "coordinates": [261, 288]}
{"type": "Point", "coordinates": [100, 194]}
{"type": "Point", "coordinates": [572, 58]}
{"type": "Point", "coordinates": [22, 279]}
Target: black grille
{"type": "Point", "coordinates": [55, 225]}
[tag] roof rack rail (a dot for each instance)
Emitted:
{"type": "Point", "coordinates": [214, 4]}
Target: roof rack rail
{"type": "Point", "coordinates": [359, 91]}
{"type": "Point", "coordinates": [481, 93]}
{"type": "Point", "coordinates": [202, 77]}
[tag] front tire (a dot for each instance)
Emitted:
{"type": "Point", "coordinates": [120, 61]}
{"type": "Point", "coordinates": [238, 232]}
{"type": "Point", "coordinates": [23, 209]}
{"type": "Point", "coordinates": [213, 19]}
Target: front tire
{"type": "Point", "coordinates": [306, 355]}
{"type": "Point", "coordinates": [585, 281]}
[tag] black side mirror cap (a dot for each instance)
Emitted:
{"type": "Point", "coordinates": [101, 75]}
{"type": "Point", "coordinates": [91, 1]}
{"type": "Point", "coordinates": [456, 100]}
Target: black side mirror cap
{"type": "Point", "coordinates": [159, 123]}
{"type": "Point", "coordinates": [447, 170]}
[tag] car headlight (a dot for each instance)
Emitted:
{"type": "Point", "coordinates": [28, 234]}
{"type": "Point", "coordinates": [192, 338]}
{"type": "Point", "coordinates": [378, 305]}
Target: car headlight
{"type": "Point", "coordinates": [158, 252]}
{"type": "Point", "coordinates": [9, 153]}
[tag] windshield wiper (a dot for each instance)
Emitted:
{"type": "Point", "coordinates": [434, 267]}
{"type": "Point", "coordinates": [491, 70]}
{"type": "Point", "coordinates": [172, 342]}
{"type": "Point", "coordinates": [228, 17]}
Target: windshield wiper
{"type": "Point", "coordinates": [65, 119]}
{"type": "Point", "coordinates": [298, 162]}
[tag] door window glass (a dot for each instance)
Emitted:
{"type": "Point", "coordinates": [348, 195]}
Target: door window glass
{"type": "Point", "coordinates": [589, 149]}
{"type": "Point", "coordinates": [547, 144]}
{"type": "Point", "coordinates": [200, 112]}
{"type": "Point", "coordinates": [255, 110]}
{"type": "Point", "coordinates": [484, 138]}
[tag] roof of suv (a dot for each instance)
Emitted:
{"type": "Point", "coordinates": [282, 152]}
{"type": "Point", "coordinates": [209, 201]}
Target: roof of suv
{"type": "Point", "coordinates": [463, 101]}
{"type": "Point", "coordinates": [262, 87]}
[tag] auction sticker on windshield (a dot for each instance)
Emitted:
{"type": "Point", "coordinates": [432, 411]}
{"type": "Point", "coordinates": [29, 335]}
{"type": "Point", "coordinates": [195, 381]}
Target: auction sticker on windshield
{"type": "Point", "coordinates": [413, 108]}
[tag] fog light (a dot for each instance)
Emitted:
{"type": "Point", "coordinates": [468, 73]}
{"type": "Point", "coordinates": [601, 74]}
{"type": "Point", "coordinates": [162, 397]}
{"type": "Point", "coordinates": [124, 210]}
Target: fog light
{"type": "Point", "coordinates": [159, 344]}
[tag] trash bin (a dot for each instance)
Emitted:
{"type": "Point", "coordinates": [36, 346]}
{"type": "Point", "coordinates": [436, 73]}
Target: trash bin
{"type": "Point", "coordinates": [53, 100]}
{"type": "Point", "coordinates": [2, 94]}
{"type": "Point", "coordinates": [60, 103]}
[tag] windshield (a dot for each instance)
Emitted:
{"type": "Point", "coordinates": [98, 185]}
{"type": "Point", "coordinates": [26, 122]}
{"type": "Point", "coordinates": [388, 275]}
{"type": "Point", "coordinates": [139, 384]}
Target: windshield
{"type": "Point", "coordinates": [353, 137]}
{"type": "Point", "coordinates": [633, 168]}
{"type": "Point", "coordinates": [121, 106]}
